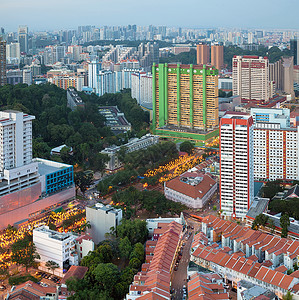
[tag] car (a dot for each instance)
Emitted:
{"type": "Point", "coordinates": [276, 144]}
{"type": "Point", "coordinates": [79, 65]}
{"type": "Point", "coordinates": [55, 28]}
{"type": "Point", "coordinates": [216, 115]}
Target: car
{"type": "Point", "coordinates": [226, 286]}
{"type": "Point", "coordinates": [175, 268]}
{"type": "Point", "coordinates": [2, 287]}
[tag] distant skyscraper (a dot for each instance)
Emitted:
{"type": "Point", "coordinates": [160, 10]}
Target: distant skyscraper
{"type": "Point", "coordinates": [236, 165]}
{"type": "Point", "coordinates": [185, 100]}
{"type": "Point", "coordinates": [251, 77]}
{"type": "Point", "coordinates": [250, 38]}
{"type": "Point", "coordinates": [93, 72]}
{"type": "Point", "coordinates": [23, 38]}
{"type": "Point", "coordinates": [217, 56]}
{"type": "Point", "coordinates": [203, 54]}
{"type": "Point", "coordinates": [282, 73]}
{"type": "Point", "coordinates": [295, 51]}
{"type": "Point", "coordinates": [13, 52]}
{"type": "Point", "coordinates": [2, 62]}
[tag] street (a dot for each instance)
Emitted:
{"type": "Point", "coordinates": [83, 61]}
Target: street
{"type": "Point", "coordinates": [180, 276]}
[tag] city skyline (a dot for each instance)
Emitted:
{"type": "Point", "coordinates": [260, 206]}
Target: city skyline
{"type": "Point", "coordinates": [48, 17]}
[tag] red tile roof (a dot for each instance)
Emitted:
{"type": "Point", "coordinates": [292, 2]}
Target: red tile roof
{"type": "Point", "coordinates": [76, 272]}
{"type": "Point", "coordinates": [197, 191]}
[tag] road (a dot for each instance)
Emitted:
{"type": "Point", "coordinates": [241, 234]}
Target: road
{"type": "Point", "coordinates": [180, 276]}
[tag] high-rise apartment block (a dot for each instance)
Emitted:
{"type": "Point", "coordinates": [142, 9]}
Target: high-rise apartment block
{"type": "Point", "coordinates": [251, 78]}
{"type": "Point", "coordinates": [276, 145]}
{"type": "Point", "coordinates": [203, 54]}
{"type": "Point", "coordinates": [2, 62]}
{"type": "Point", "coordinates": [23, 38]}
{"type": "Point", "coordinates": [236, 164]}
{"type": "Point", "coordinates": [13, 52]}
{"type": "Point", "coordinates": [282, 73]}
{"type": "Point", "coordinates": [185, 101]}
{"type": "Point", "coordinates": [295, 51]}
{"type": "Point", "coordinates": [217, 56]}
{"type": "Point", "coordinates": [142, 88]}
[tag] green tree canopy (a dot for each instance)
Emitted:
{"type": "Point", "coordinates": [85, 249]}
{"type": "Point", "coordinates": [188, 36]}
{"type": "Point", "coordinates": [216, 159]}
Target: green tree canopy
{"type": "Point", "coordinates": [23, 252]}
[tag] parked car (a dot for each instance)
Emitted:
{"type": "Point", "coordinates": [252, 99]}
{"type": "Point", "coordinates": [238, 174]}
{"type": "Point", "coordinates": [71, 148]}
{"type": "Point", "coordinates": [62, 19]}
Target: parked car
{"type": "Point", "coordinates": [2, 287]}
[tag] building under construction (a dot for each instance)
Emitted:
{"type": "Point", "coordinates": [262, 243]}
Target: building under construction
{"type": "Point", "coordinates": [185, 101]}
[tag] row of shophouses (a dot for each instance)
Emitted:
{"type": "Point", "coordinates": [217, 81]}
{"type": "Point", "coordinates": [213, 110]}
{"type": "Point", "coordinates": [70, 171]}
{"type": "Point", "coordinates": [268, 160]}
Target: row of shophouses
{"type": "Point", "coordinates": [240, 253]}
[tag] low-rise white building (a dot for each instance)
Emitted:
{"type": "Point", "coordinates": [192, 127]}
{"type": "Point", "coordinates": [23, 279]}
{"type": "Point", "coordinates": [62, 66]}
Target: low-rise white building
{"type": "Point", "coordinates": [55, 246]}
{"type": "Point", "coordinates": [101, 219]}
{"type": "Point", "coordinates": [193, 188]}
{"type": "Point", "coordinates": [84, 244]}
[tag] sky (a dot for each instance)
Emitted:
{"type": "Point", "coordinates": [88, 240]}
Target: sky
{"type": "Point", "coordinates": [42, 15]}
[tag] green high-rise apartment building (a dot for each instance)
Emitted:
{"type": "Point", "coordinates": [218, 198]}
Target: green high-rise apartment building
{"type": "Point", "coordinates": [185, 101]}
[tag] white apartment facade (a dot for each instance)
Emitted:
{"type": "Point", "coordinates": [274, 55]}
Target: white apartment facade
{"type": "Point", "coordinates": [276, 150]}
{"type": "Point", "coordinates": [251, 77]}
{"type": "Point", "coordinates": [236, 165]}
{"type": "Point", "coordinates": [17, 171]}
{"type": "Point", "coordinates": [55, 246]}
{"type": "Point", "coordinates": [101, 219]}
{"type": "Point", "coordinates": [142, 88]}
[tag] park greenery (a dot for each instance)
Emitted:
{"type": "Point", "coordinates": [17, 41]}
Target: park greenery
{"type": "Point", "coordinates": [112, 266]}
{"type": "Point", "coordinates": [288, 206]}
{"type": "Point", "coordinates": [271, 188]}
{"type": "Point", "coordinates": [136, 164]}
{"type": "Point", "coordinates": [187, 147]}
{"type": "Point", "coordinates": [82, 129]}
{"type": "Point", "coordinates": [23, 252]}
{"type": "Point", "coordinates": [131, 201]}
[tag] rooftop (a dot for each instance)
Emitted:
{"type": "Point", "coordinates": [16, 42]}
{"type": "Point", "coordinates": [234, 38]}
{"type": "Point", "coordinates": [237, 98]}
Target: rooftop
{"type": "Point", "coordinates": [258, 206]}
{"type": "Point", "coordinates": [113, 116]}
{"type": "Point", "coordinates": [192, 183]}
{"type": "Point", "coordinates": [52, 234]}
{"type": "Point", "coordinates": [46, 167]}
{"type": "Point", "coordinates": [77, 272]}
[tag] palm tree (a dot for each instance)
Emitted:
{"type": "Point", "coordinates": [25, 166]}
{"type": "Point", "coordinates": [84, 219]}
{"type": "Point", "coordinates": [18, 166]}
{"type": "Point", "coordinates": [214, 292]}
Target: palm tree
{"type": "Point", "coordinates": [287, 296]}
{"type": "Point", "coordinates": [52, 265]}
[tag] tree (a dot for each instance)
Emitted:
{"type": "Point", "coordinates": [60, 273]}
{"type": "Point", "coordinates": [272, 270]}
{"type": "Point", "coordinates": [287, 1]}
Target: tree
{"type": "Point", "coordinates": [284, 223]}
{"type": "Point", "coordinates": [52, 265]}
{"type": "Point", "coordinates": [125, 247]}
{"type": "Point", "coordinates": [10, 230]}
{"type": "Point", "coordinates": [187, 147]}
{"type": "Point", "coordinates": [136, 231]}
{"type": "Point", "coordinates": [105, 253]}
{"type": "Point", "coordinates": [260, 220]}
{"type": "Point", "coordinates": [24, 252]}
{"type": "Point", "coordinates": [138, 252]}
{"type": "Point", "coordinates": [99, 162]}
{"type": "Point", "coordinates": [271, 188]}
{"type": "Point", "coordinates": [271, 225]}
{"type": "Point", "coordinates": [83, 181]}
{"type": "Point", "coordinates": [107, 276]}
{"type": "Point", "coordinates": [135, 263]}
{"type": "Point", "coordinates": [287, 296]}
{"type": "Point", "coordinates": [121, 153]}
